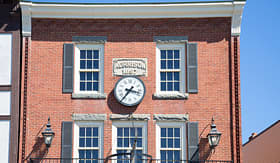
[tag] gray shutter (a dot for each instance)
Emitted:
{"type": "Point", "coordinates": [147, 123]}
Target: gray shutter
{"type": "Point", "coordinates": [192, 68]}
{"type": "Point", "coordinates": [193, 141]}
{"type": "Point", "coordinates": [68, 58]}
{"type": "Point", "coordinates": [66, 141]}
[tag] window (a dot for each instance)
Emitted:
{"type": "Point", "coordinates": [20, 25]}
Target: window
{"type": "Point", "coordinates": [89, 61]}
{"type": "Point", "coordinates": [170, 69]}
{"type": "Point", "coordinates": [88, 142]}
{"type": "Point", "coordinates": [125, 134]}
{"type": "Point", "coordinates": [171, 141]}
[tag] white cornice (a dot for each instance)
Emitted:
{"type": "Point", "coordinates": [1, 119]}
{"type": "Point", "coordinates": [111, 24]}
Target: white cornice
{"type": "Point", "coordinates": [133, 11]}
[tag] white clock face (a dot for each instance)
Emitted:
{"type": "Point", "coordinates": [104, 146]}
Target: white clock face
{"type": "Point", "coordinates": [129, 91]}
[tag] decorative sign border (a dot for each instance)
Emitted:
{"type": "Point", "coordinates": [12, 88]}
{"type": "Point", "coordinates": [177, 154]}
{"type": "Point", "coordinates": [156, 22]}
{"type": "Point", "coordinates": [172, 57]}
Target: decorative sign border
{"type": "Point", "coordinates": [130, 67]}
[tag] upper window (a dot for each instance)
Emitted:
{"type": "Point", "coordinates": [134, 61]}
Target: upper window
{"type": "Point", "coordinates": [89, 142]}
{"type": "Point", "coordinates": [125, 136]}
{"type": "Point", "coordinates": [171, 141]}
{"type": "Point", "coordinates": [89, 68]}
{"type": "Point", "coordinates": [170, 68]}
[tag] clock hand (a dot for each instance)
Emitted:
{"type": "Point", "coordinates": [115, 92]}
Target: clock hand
{"type": "Point", "coordinates": [128, 91]}
{"type": "Point", "coordinates": [133, 91]}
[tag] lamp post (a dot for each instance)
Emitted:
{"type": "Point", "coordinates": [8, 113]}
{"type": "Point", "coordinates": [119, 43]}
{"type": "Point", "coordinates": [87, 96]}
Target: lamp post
{"type": "Point", "coordinates": [48, 134]}
{"type": "Point", "coordinates": [214, 135]}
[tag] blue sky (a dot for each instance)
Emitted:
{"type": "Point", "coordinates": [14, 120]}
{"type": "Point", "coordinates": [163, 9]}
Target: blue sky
{"type": "Point", "coordinates": [260, 57]}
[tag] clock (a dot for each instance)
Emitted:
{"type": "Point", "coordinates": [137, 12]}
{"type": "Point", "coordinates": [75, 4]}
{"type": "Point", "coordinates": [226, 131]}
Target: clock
{"type": "Point", "coordinates": [129, 91]}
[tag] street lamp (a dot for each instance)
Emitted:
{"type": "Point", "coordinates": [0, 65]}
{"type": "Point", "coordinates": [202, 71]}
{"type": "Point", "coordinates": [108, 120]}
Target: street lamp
{"type": "Point", "coordinates": [48, 134]}
{"type": "Point", "coordinates": [214, 135]}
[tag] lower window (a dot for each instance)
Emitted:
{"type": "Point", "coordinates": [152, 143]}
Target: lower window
{"type": "Point", "coordinates": [88, 142]}
{"type": "Point", "coordinates": [171, 145]}
{"type": "Point", "coordinates": [125, 137]}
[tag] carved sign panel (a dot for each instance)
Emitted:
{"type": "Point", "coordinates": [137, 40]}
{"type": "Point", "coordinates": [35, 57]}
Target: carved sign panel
{"type": "Point", "coordinates": [130, 66]}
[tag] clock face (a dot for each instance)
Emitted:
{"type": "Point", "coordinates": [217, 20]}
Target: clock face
{"type": "Point", "coordinates": [129, 91]}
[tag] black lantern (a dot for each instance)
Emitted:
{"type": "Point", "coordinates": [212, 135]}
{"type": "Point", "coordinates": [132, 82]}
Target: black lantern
{"type": "Point", "coordinates": [214, 135]}
{"type": "Point", "coordinates": [48, 134]}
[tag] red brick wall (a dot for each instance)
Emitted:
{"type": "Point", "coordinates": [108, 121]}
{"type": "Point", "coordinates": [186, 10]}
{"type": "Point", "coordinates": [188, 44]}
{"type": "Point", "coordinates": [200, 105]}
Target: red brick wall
{"type": "Point", "coordinates": [129, 38]}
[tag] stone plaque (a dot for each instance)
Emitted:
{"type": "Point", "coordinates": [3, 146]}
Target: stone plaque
{"type": "Point", "coordinates": [130, 66]}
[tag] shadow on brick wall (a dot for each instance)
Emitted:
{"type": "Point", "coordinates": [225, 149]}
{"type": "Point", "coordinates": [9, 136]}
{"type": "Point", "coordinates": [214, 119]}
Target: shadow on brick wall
{"type": "Point", "coordinates": [39, 149]}
{"type": "Point", "coordinates": [118, 108]}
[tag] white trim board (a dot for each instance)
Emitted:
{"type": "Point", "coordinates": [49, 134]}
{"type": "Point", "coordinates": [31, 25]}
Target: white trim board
{"type": "Point", "coordinates": [132, 11]}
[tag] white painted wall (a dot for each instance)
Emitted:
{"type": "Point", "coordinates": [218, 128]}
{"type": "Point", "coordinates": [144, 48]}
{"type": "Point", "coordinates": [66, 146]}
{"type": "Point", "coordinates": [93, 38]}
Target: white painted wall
{"type": "Point", "coordinates": [5, 58]}
{"type": "Point", "coordinates": [4, 143]}
{"type": "Point", "coordinates": [5, 103]}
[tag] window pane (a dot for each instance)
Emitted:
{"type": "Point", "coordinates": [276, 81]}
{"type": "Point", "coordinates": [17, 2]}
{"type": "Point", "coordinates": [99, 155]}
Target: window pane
{"type": "Point", "coordinates": [163, 76]}
{"type": "Point", "coordinates": [176, 132]}
{"type": "Point", "coordinates": [82, 86]}
{"type": "Point", "coordinates": [176, 76]}
{"type": "Point", "coordinates": [170, 64]}
{"type": "Point", "coordinates": [169, 86]}
{"type": "Point", "coordinates": [170, 54]}
{"type": "Point", "coordinates": [88, 142]}
{"type": "Point", "coordinates": [170, 132]}
{"type": "Point", "coordinates": [82, 76]}
{"type": "Point", "coordinates": [89, 76]}
{"type": "Point", "coordinates": [176, 64]}
{"type": "Point", "coordinates": [177, 156]}
{"type": "Point", "coordinates": [120, 142]}
{"type": "Point", "coordinates": [163, 86]}
{"type": "Point", "coordinates": [126, 131]}
{"type": "Point", "coordinates": [82, 142]}
{"type": "Point", "coordinates": [177, 143]}
{"type": "Point", "coordinates": [82, 64]}
{"type": "Point", "coordinates": [89, 86]}
{"type": "Point", "coordinates": [81, 153]}
{"type": "Point", "coordinates": [132, 131]}
{"type": "Point", "coordinates": [89, 64]}
{"type": "Point", "coordinates": [169, 76]}
{"type": "Point", "coordinates": [163, 155]}
{"type": "Point", "coordinates": [163, 54]}
{"type": "Point", "coordinates": [96, 55]}
{"type": "Point", "coordinates": [139, 142]}
{"type": "Point", "coordinates": [163, 132]}
{"type": "Point", "coordinates": [170, 143]}
{"type": "Point", "coordinates": [95, 76]}
{"type": "Point", "coordinates": [163, 143]}
{"type": "Point", "coordinates": [95, 154]}
{"type": "Point", "coordinates": [88, 131]}
{"type": "Point", "coordinates": [95, 131]}
{"type": "Point", "coordinates": [95, 86]}
{"type": "Point", "coordinates": [132, 141]}
{"type": "Point", "coordinates": [176, 54]}
{"type": "Point", "coordinates": [83, 54]}
{"type": "Point", "coordinates": [95, 64]}
{"type": "Point", "coordinates": [88, 154]}
{"type": "Point", "coordinates": [95, 142]}
{"type": "Point", "coordinates": [120, 131]}
{"type": "Point", "coordinates": [126, 143]}
{"type": "Point", "coordinates": [89, 54]}
{"type": "Point", "coordinates": [139, 131]}
{"type": "Point", "coordinates": [82, 131]}
{"type": "Point", "coordinates": [163, 64]}
{"type": "Point", "coordinates": [176, 86]}
{"type": "Point", "coordinates": [170, 156]}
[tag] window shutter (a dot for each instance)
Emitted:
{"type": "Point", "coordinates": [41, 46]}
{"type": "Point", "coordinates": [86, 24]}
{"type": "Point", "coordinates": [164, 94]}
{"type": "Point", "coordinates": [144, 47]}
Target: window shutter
{"type": "Point", "coordinates": [193, 141]}
{"type": "Point", "coordinates": [68, 58]}
{"type": "Point", "coordinates": [66, 141]}
{"type": "Point", "coordinates": [192, 68]}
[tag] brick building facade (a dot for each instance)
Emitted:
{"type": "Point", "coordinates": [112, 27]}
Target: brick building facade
{"type": "Point", "coordinates": [192, 74]}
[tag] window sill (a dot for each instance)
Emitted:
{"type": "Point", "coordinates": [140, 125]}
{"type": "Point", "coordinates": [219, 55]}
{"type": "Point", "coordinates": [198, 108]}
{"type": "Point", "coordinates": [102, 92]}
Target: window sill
{"type": "Point", "coordinates": [89, 95]}
{"type": "Point", "coordinates": [170, 95]}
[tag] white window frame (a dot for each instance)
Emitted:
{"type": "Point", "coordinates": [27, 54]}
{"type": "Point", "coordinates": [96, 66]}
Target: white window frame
{"type": "Point", "coordinates": [181, 48]}
{"type": "Point", "coordinates": [100, 126]}
{"type": "Point", "coordinates": [167, 124]}
{"type": "Point", "coordinates": [77, 70]}
{"type": "Point", "coordinates": [117, 124]}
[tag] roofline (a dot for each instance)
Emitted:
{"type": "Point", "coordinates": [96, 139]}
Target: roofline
{"type": "Point", "coordinates": [261, 132]}
{"type": "Point", "coordinates": [233, 9]}
{"type": "Point", "coordinates": [137, 3]}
